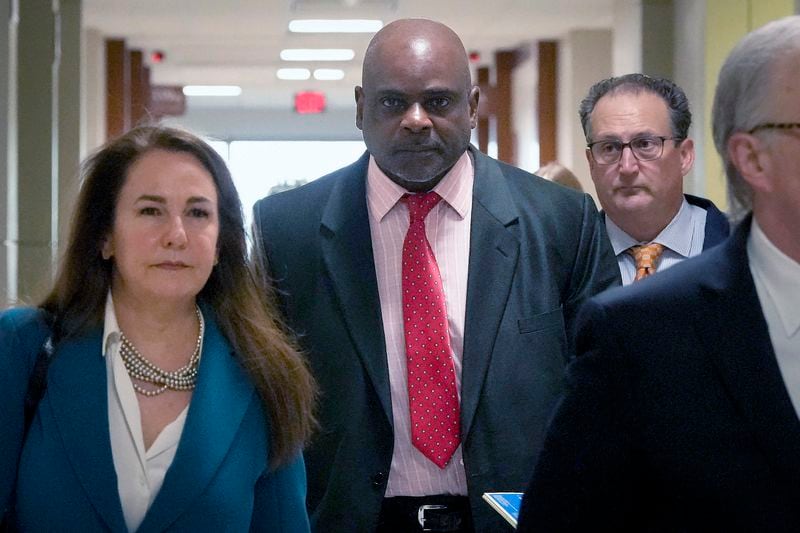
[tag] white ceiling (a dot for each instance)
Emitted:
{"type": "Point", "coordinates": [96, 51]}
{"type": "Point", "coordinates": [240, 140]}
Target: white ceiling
{"type": "Point", "coordinates": [237, 42]}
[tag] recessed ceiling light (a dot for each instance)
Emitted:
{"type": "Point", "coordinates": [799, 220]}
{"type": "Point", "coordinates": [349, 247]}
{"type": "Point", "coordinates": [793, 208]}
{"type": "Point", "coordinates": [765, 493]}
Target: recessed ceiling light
{"type": "Point", "coordinates": [328, 74]}
{"type": "Point", "coordinates": [293, 73]}
{"type": "Point", "coordinates": [212, 90]}
{"type": "Point", "coordinates": [335, 26]}
{"type": "Point", "coordinates": [317, 54]}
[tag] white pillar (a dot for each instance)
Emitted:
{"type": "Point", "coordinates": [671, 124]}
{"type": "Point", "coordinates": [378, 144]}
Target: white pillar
{"type": "Point", "coordinates": [690, 74]}
{"type": "Point", "coordinates": [37, 199]}
{"type": "Point", "coordinates": [8, 166]}
{"type": "Point", "coordinates": [586, 58]}
{"type": "Point", "coordinates": [71, 135]}
{"type": "Point", "coordinates": [94, 83]}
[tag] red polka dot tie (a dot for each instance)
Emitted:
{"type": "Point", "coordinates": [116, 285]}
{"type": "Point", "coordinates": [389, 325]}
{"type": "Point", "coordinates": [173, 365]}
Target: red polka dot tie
{"type": "Point", "coordinates": [646, 257]}
{"type": "Point", "coordinates": [432, 395]}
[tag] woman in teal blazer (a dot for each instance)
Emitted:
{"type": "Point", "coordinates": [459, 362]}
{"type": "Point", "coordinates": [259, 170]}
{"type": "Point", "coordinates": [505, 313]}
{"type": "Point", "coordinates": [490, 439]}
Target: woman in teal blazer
{"type": "Point", "coordinates": [249, 398]}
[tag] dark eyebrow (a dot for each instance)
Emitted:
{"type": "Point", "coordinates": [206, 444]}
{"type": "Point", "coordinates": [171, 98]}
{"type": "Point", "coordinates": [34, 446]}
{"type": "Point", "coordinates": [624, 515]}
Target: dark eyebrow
{"type": "Point", "coordinates": [162, 200]}
{"type": "Point", "coordinates": [440, 91]}
{"type": "Point", "coordinates": [618, 138]}
{"type": "Point", "coordinates": [198, 200]}
{"type": "Point", "coordinates": [427, 93]}
{"type": "Point", "coordinates": [389, 92]}
{"type": "Point", "coordinates": [151, 198]}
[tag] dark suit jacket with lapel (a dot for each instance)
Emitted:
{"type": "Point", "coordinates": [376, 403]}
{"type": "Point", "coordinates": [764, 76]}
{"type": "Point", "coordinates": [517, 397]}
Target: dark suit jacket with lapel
{"type": "Point", "coordinates": [717, 226]}
{"type": "Point", "coordinates": [537, 251]}
{"type": "Point", "coordinates": [218, 480]}
{"type": "Point", "coordinates": [677, 418]}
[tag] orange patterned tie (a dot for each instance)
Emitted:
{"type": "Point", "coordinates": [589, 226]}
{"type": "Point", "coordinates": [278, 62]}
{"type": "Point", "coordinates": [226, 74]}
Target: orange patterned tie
{"type": "Point", "coordinates": [646, 257]}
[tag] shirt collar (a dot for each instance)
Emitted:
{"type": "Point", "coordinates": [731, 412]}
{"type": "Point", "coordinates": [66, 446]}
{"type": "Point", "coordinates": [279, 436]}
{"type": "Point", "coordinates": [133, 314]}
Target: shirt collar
{"type": "Point", "coordinates": [455, 188]}
{"type": "Point", "coordinates": [781, 277]}
{"type": "Point", "coordinates": [677, 235]}
{"type": "Point", "coordinates": [111, 331]}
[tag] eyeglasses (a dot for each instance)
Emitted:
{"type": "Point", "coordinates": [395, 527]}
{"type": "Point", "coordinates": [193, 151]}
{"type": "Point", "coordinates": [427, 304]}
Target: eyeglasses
{"type": "Point", "coordinates": [775, 126]}
{"type": "Point", "coordinates": [646, 148]}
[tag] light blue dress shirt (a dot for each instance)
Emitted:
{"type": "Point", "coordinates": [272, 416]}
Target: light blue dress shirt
{"type": "Point", "coordinates": [682, 238]}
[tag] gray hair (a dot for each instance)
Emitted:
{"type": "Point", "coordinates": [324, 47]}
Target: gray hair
{"type": "Point", "coordinates": [680, 116]}
{"type": "Point", "coordinates": [743, 92]}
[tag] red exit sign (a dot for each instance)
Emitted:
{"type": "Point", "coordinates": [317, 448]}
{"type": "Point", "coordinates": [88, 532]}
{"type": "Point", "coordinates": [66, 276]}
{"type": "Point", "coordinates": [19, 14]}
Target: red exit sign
{"type": "Point", "coordinates": [309, 102]}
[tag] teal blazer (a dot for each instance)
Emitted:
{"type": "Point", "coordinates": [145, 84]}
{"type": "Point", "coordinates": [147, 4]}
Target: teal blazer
{"type": "Point", "coordinates": [62, 477]}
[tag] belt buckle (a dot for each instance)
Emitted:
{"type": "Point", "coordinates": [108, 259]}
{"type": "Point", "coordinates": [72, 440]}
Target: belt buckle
{"type": "Point", "coordinates": [421, 514]}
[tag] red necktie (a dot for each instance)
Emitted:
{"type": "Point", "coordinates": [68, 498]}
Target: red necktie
{"type": "Point", "coordinates": [432, 395]}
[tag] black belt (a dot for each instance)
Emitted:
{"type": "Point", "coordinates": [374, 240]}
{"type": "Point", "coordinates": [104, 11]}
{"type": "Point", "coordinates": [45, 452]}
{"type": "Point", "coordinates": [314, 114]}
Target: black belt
{"type": "Point", "coordinates": [425, 513]}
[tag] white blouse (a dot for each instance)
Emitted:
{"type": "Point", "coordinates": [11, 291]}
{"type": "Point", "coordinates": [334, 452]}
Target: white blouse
{"type": "Point", "coordinates": [140, 472]}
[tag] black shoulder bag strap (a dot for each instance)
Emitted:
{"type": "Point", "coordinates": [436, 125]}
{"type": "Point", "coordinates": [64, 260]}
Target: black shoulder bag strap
{"type": "Point", "coordinates": [37, 383]}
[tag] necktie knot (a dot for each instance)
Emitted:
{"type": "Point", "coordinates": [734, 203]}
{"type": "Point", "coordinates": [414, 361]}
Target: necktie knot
{"type": "Point", "coordinates": [419, 205]}
{"type": "Point", "coordinates": [646, 257]}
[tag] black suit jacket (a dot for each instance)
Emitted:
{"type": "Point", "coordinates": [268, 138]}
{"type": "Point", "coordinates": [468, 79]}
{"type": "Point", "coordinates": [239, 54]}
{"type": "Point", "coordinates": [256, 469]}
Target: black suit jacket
{"type": "Point", "coordinates": [717, 226]}
{"type": "Point", "coordinates": [537, 251]}
{"type": "Point", "coordinates": [677, 418]}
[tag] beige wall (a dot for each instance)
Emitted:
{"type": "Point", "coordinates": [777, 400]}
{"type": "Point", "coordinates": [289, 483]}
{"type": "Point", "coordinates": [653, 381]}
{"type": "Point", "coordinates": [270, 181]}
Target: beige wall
{"type": "Point", "coordinates": [585, 58]}
{"type": "Point", "coordinates": [726, 22]}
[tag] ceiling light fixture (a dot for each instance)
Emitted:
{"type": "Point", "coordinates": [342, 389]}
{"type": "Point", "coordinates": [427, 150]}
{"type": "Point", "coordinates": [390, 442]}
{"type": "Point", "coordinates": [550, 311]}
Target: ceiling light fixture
{"type": "Point", "coordinates": [317, 54]}
{"type": "Point", "coordinates": [293, 73]}
{"type": "Point", "coordinates": [212, 90]}
{"type": "Point", "coordinates": [335, 26]}
{"type": "Point", "coordinates": [328, 74]}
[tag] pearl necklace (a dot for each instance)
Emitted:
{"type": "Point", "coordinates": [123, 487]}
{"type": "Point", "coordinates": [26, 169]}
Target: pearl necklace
{"type": "Point", "coordinates": [182, 379]}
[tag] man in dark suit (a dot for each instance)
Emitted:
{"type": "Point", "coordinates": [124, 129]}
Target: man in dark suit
{"type": "Point", "coordinates": [647, 215]}
{"type": "Point", "coordinates": [509, 258]}
{"type": "Point", "coordinates": [682, 413]}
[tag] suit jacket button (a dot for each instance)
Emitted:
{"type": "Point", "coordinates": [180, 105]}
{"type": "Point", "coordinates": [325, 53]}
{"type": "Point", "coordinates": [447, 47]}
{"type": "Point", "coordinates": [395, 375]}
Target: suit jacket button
{"type": "Point", "coordinates": [379, 479]}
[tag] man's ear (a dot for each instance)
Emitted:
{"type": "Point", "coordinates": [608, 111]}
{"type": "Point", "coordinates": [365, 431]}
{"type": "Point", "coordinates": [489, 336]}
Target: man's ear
{"type": "Point", "coordinates": [474, 98]}
{"type": "Point", "coordinates": [749, 155]}
{"type": "Point", "coordinates": [687, 156]}
{"type": "Point", "coordinates": [359, 107]}
{"type": "Point", "coordinates": [589, 158]}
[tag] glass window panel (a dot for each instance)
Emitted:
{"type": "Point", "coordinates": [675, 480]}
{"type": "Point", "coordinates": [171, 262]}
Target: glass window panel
{"type": "Point", "coordinates": [259, 167]}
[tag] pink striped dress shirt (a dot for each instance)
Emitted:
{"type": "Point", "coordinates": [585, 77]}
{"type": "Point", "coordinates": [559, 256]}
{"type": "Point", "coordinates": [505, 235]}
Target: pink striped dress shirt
{"type": "Point", "coordinates": [447, 227]}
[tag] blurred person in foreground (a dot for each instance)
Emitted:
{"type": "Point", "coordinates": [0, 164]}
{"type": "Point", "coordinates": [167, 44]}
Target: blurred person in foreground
{"type": "Point", "coordinates": [173, 400]}
{"type": "Point", "coordinates": [434, 290]}
{"type": "Point", "coordinates": [639, 150]}
{"type": "Point", "coordinates": [682, 413]}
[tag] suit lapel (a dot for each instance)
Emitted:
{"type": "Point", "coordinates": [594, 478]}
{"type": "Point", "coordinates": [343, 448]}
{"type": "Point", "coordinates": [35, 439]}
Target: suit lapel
{"type": "Point", "coordinates": [494, 250]}
{"type": "Point", "coordinates": [717, 226]}
{"type": "Point", "coordinates": [79, 400]}
{"type": "Point", "coordinates": [347, 253]}
{"type": "Point", "coordinates": [219, 403]}
{"type": "Point", "coordinates": [744, 355]}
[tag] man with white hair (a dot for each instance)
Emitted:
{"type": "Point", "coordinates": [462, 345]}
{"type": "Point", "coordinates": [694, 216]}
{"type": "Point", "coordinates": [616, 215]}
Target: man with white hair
{"type": "Point", "coordinates": [682, 410]}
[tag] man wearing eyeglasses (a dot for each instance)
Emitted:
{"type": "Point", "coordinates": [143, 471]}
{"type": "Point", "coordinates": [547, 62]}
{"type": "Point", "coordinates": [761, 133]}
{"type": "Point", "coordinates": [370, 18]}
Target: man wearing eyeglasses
{"type": "Point", "coordinates": [683, 406]}
{"type": "Point", "coordinates": [638, 149]}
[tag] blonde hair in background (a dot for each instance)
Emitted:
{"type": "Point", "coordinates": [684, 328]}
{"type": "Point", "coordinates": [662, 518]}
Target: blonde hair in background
{"type": "Point", "coordinates": [560, 174]}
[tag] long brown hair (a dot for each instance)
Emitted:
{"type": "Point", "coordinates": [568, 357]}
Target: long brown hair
{"type": "Point", "coordinates": [243, 305]}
